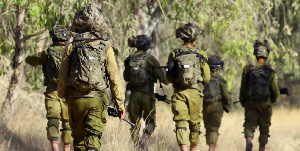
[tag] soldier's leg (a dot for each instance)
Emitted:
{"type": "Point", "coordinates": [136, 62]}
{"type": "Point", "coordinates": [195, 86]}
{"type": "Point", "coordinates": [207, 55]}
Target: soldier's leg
{"type": "Point", "coordinates": [195, 102]}
{"type": "Point", "coordinates": [264, 124]}
{"type": "Point", "coordinates": [251, 122]}
{"type": "Point", "coordinates": [77, 113]}
{"type": "Point", "coordinates": [135, 112]}
{"type": "Point", "coordinates": [53, 115]}
{"type": "Point", "coordinates": [66, 128]}
{"type": "Point", "coordinates": [181, 116]}
{"type": "Point", "coordinates": [95, 122]}
{"type": "Point", "coordinates": [149, 112]}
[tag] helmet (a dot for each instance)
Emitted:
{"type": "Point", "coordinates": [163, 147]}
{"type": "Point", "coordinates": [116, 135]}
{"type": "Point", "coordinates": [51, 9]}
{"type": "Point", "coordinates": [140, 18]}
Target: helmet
{"type": "Point", "coordinates": [59, 32]}
{"type": "Point", "coordinates": [90, 20]}
{"type": "Point", "coordinates": [188, 32]}
{"type": "Point", "coordinates": [261, 49]}
{"type": "Point", "coordinates": [215, 62]}
{"type": "Point", "coordinates": [140, 42]}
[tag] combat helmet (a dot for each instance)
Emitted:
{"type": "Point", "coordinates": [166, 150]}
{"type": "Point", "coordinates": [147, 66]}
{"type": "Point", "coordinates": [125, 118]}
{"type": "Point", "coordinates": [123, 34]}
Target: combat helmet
{"type": "Point", "coordinates": [91, 23]}
{"type": "Point", "coordinates": [188, 32]}
{"type": "Point", "coordinates": [261, 49]}
{"type": "Point", "coordinates": [141, 42]}
{"type": "Point", "coordinates": [59, 32]}
{"type": "Point", "coordinates": [215, 62]}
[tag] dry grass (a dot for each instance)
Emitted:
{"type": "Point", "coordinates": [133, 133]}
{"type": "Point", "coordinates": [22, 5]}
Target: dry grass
{"type": "Point", "coordinates": [26, 131]}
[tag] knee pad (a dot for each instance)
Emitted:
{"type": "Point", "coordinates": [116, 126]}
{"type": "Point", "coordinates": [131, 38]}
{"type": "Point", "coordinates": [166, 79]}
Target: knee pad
{"type": "Point", "coordinates": [249, 133]}
{"type": "Point", "coordinates": [263, 139]}
{"type": "Point", "coordinates": [212, 138]}
{"type": "Point", "coordinates": [53, 129]}
{"type": "Point", "coordinates": [150, 127]}
{"type": "Point", "coordinates": [66, 135]}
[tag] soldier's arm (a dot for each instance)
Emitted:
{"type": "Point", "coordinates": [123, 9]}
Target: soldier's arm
{"type": "Point", "coordinates": [243, 86]}
{"type": "Point", "coordinates": [274, 88]}
{"type": "Point", "coordinates": [37, 59]}
{"type": "Point", "coordinates": [114, 78]}
{"type": "Point", "coordinates": [63, 72]}
{"type": "Point", "coordinates": [205, 69]}
{"type": "Point", "coordinates": [159, 73]}
{"type": "Point", "coordinates": [126, 73]}
{"type": "Point", "coordinates": [225, 94]}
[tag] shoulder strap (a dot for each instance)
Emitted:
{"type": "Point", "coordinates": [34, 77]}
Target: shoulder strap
{"type": "Point", "coordinates": [192, 52]}
{"type": "Point", "coordinates": [136, 56]}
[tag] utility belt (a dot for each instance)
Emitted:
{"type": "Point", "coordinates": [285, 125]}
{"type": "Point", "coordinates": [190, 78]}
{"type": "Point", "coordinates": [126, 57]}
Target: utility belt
{"type": "Point", "coordinates": [73, 93]}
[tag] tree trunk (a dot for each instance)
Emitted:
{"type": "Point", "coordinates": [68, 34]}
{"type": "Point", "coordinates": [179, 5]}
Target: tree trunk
{"type": "Point", "coordinates": [8, 105]}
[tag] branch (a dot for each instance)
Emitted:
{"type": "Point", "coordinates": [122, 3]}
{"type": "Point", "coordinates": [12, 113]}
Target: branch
{"type": "Point", "coordinates": [33, 35]}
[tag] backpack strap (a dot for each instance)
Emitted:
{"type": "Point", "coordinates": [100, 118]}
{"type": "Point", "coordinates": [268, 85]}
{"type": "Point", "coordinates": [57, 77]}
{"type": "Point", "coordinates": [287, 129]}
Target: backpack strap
{"type": "Point", "coordinates": [190, 52]}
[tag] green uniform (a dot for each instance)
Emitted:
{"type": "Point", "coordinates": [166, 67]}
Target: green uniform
{"type": "Point", "coordinates": [55, 106]}
{"type": "Point", "coordinates": [88, 112]}
{"type": "Point", "coordinates": [213, 112]}
{"type": "Point", "coordinates": [258, 113]}
{"type": "Point", "coordinates": [142, 99]}
{"type": "Point", "coordinates": [188, 103]}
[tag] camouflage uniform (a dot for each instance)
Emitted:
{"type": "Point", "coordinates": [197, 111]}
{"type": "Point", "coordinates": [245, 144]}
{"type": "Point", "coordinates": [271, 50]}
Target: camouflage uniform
{"type": "Point", "coordinates": [258, 113]}
{"type": "Point", "coordinates": [142, 99]}
{"type": "Point", "coordinates": [56, 107]}
{"type": "Point", "coordinates": [188, 103]}
{"type": "Point", "coordinates": [213, 111]}
{"type": "Point", "coordinates": [88, 111]}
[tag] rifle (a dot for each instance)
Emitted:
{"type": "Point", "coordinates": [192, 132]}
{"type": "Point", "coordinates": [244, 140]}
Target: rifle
{"type": "Point", "coordinates": [112, 112]}
{"type": "Point", "coordinates": [225, 109]}
{"type": "Point", "coordinates": [162, 97]}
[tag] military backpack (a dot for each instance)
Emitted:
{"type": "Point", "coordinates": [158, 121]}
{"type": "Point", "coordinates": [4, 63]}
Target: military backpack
{"type": "Point", "coordinates": [139, 73]}
{"type": "Point", "coordinates": [87, 71]}
{"type": "Point", "coordinates": [212, 90]}
{"type": "Point", "coordinates": [187, 67]}
{"type": "Point", "coordinates": [258, 85]}
{"type": "Point", "coordinates": [53, 63]}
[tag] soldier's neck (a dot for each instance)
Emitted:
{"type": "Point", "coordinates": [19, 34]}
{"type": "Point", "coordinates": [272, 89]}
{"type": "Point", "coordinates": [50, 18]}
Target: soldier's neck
{"type": "Point", "coordinates": [190, 44]}
{"type": "Point", "coordinates": [260, 60]}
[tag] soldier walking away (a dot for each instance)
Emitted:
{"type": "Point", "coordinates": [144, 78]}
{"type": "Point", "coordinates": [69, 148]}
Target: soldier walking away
{"type": "Point", "coordinates": [86, 65]}
{"type": "Point", "coordinates": [258, 91]}
{"type": "Point", "coordinates": [188, 71]}
{"type": "Point", "coordinates": [56, 107]}
{"type": "Point", "coordinates": [142, 71]}
{"type": "Point", "coordinates": [215, 97]}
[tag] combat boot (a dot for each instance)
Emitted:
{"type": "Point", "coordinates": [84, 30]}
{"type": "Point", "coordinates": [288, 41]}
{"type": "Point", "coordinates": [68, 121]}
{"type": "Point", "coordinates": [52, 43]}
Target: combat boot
{"type": "Point", "coordinates": [212, 147]}
{"type": "Point", "coordinates": [183, 148]}
{"type": "Point", "coordinates": [67, 147]}
{"type": "Point", "coordinates": [54, 145]}
{"type": "Point", "coordinates": [261, 147]}
{"type": "Point", "coordinates": [249, 144]}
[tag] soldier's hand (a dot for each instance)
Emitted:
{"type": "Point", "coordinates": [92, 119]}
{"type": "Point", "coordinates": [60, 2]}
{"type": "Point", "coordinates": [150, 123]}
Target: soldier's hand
{"type": "Point", "coordinates": [121, 114]}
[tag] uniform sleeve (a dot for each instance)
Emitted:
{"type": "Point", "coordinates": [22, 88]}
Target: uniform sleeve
{"type": "Point", "coordinates": [274, 88]}
{"type": "Point", "coordinates": [63, 72]}
{"type": "Point", "coordinates": [37, 59]}
{"type": "Point", "coordinates": [225, 94]}
{"type": "Point", "coordinates": [243, 86]}
{"type": "Point", "coordinates": [205, 69]}
{"type": "Point", "coordinates": [159, 73]}
{"type": "Point", "coordinates": [126, 73]}
{"type": "Point", "coordinates": [114, 79]}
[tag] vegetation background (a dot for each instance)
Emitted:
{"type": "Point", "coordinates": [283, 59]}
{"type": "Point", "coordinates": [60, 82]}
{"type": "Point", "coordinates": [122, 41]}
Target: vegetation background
{"type": "Point", "coordinates": [230, 28]}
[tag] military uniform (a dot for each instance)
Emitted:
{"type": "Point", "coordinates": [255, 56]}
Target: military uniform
{"type": "Point", "coordinates": [213, 110]}
{"type": "Point", "coordinates": [188, 103]}
{"type": "Point", "coordinates": [258, 113]}
{"type": "Point", "coordinates": [56, 107]}
{"type": "Point", "coordinates": [142, 99]}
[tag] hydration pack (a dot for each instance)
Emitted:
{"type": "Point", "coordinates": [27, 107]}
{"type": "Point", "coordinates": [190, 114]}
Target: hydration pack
{"type": "Point", "coordinates": [212, 90]}
{"type": "Point", "coordinates": [53, 63]}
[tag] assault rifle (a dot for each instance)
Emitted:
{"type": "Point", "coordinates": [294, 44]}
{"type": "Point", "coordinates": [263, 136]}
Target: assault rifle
{"type": "Point", "coordinates": [225, 108]}
{"type": "Point", "coordinates": [112, 112]}
{"type": "Point", "coordinates": [162, 98]}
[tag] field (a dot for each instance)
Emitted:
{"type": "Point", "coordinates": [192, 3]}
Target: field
{"type": "Point", "coordinates": [26, 130]}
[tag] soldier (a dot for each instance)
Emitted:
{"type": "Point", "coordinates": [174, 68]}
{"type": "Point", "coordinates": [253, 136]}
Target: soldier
{"type": "Point", "coordinates": [56, 108]}
{"type": "Point", "coordinates": [141, 71]}
{"type": "Point", "coordinates": [86, 65]}
{"type": "Point", "coordinates": [188, 71]}
{"type": "Point", "coordinates": [215, 97]}
{"type": "Point", "coordinates": [258, 91]}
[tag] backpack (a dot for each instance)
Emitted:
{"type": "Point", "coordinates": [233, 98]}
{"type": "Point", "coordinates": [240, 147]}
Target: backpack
{"type": "Point", "coordinates": [53, 63]}
{"type": "Point", "coordinates": [139, 74]}
{"type": "Point", "coordinates": [188, 64]}
{"type": "Point", "coordinates": [212, 90]}
{"type": "Point", "coordinates": [258, 85]}
{"type": "Point", "coordinates": [87, 71]}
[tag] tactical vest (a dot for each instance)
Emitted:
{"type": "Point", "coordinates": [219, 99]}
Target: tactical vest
{"type": "Point", "coordinates": [258, 84]}
{"type": "Point", "coordinates": [212, 90]}
{"type": "Point", "coordinates": [51, 69]}
{"type": "Point", "coordinates": [87, 67]}
{"type": "Point", "coordinates": [188, 66]}
{"type": "Point", "coordinates": [141, 76]}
